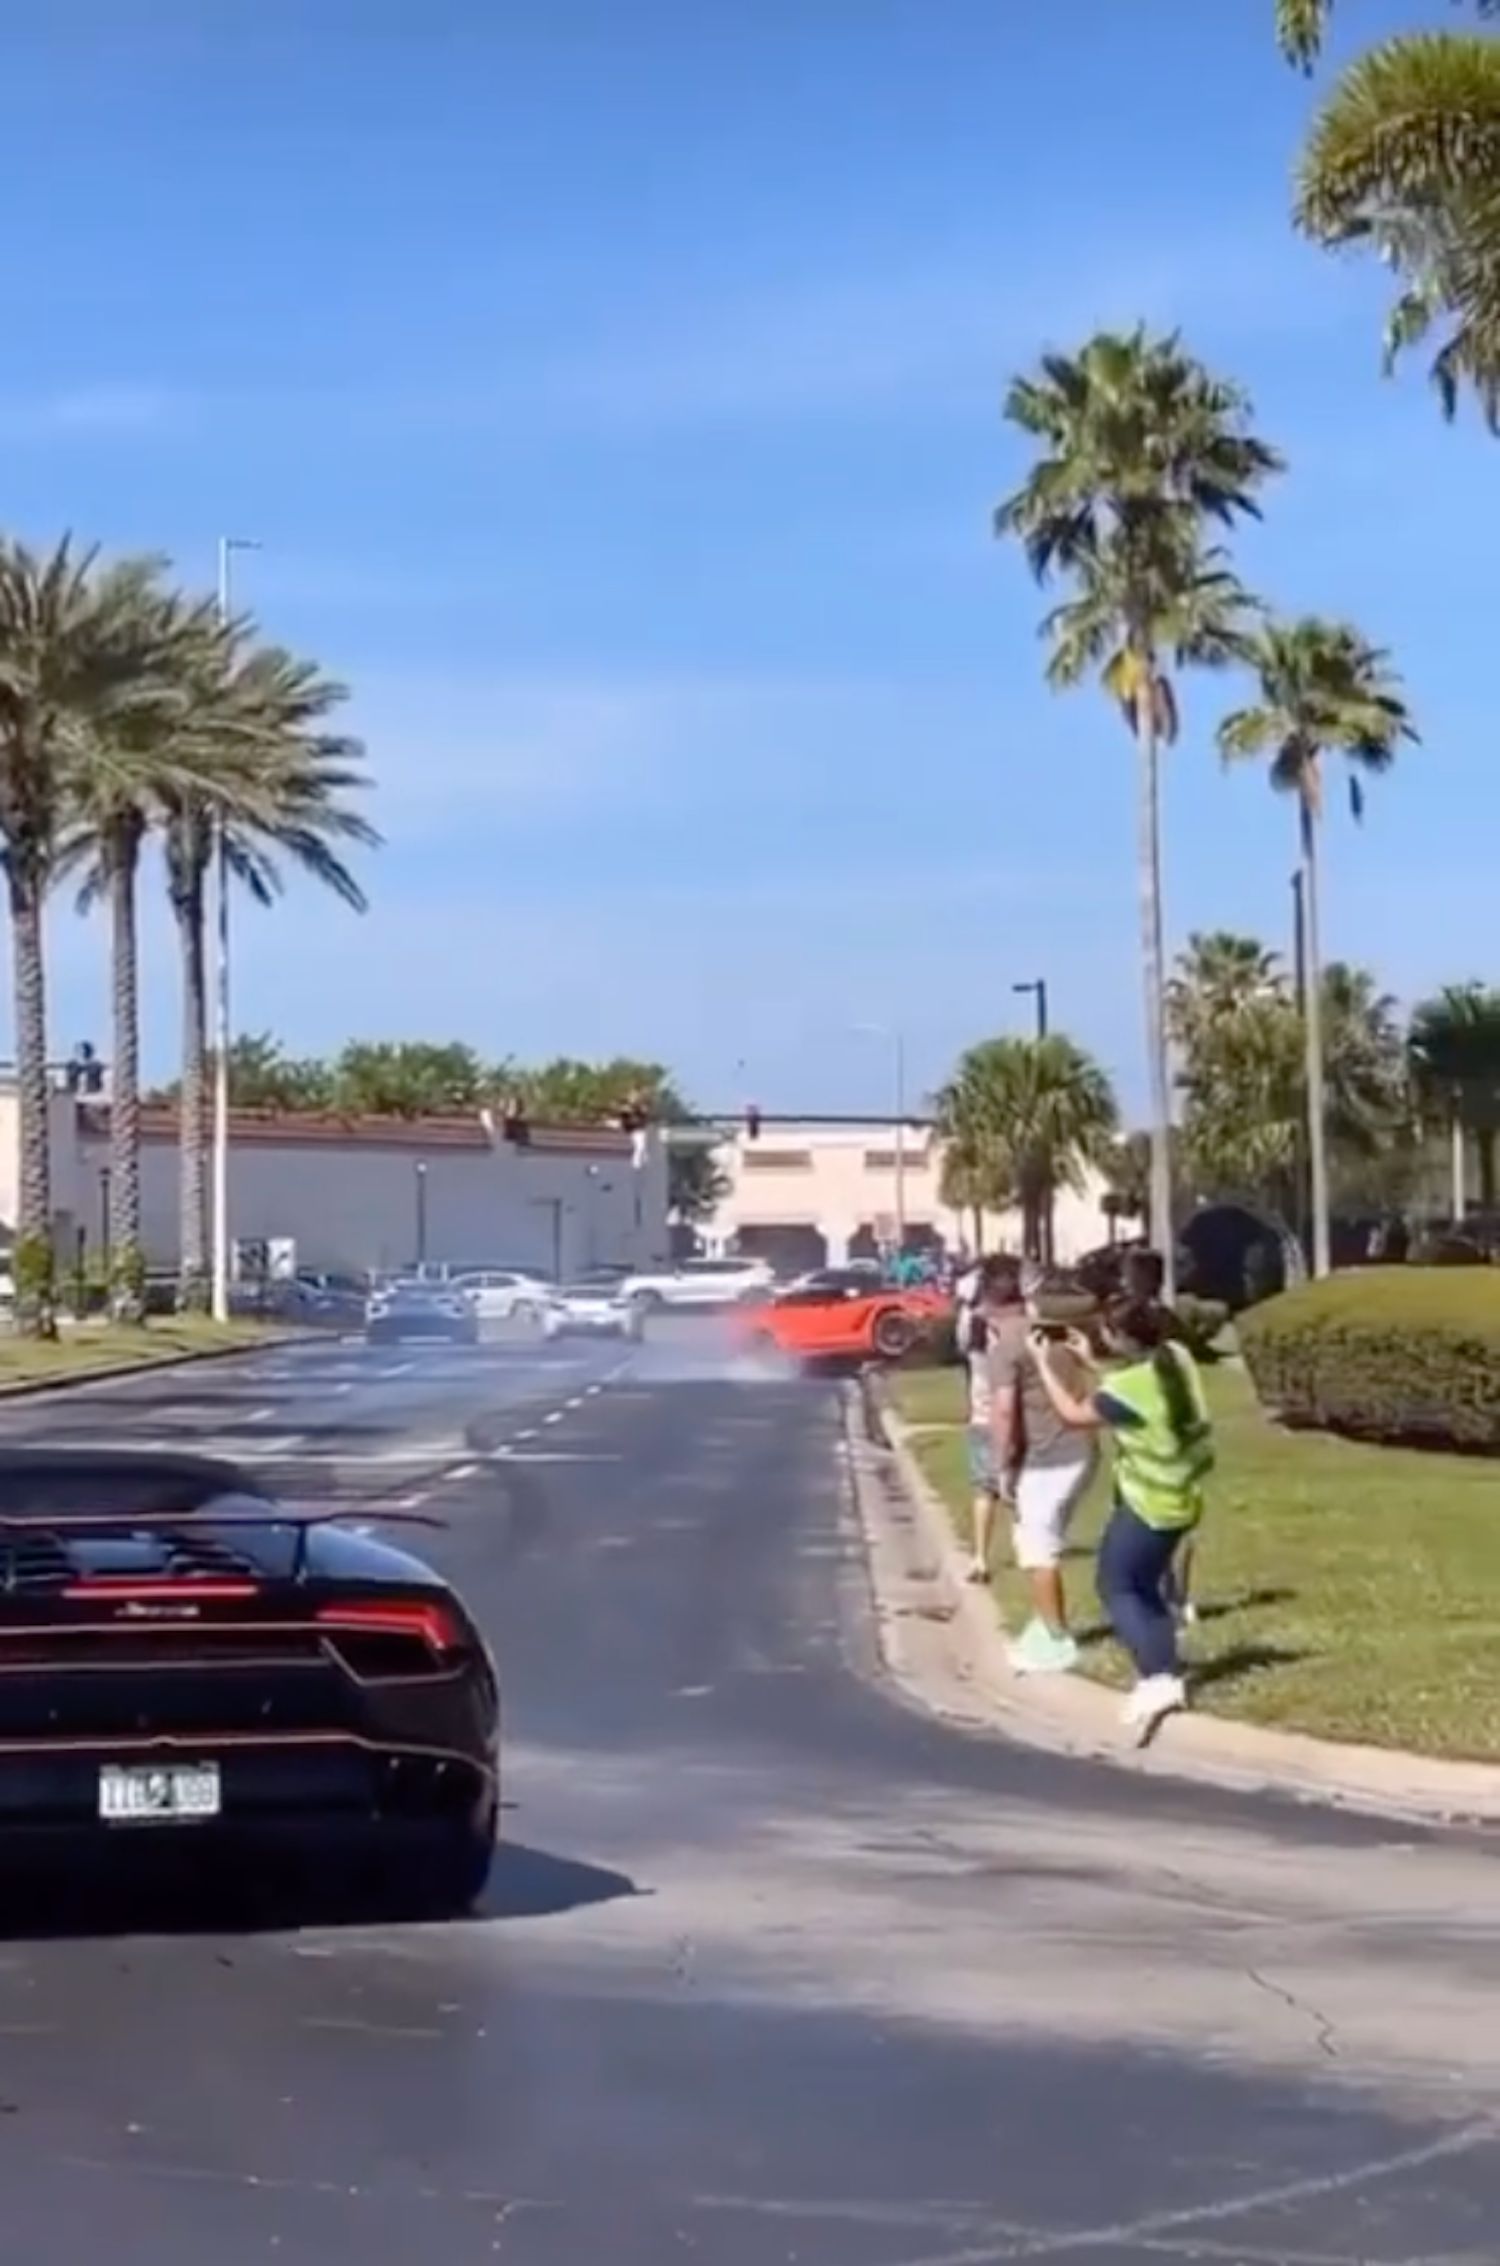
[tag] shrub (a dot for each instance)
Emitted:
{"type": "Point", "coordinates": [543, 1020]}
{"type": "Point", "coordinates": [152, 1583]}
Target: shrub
{"type": "Point", "coordinates": [1449, 1251]}
{"type": "Point", "coordinates": [1400, 1355]}
{"type": "Point", "coordinates": [1200, 1320]}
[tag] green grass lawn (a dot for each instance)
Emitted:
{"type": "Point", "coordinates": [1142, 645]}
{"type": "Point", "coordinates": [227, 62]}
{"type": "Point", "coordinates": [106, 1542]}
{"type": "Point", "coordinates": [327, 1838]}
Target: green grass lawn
{"type": "Point", "coordinates": [82, 1351]}
{"type": "Point", "coordinates": [1349, 1591]}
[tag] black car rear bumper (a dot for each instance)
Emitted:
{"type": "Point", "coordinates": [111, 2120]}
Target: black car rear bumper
{"type": "Point", "coordinates": [287, 1790]}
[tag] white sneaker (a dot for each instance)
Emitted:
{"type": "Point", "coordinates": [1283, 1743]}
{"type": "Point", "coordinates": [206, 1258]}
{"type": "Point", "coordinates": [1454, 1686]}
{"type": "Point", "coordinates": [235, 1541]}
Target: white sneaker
{"type": "Point", "coordinates": [1153, 1698]}
{"type": "Point", "coordinates": [1187, 1614]}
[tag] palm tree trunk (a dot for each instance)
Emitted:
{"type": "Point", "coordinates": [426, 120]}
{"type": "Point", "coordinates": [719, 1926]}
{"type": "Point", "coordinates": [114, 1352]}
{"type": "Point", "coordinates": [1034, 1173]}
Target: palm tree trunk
{"type": "Point", "coordinates": [1458, 1159]}
{"type": "Point", "coordinates": [127, 1300]}
{"type": "Point", "coordinates": [33, 1264]}
{"type": "Point", "coordinates": [1154, 954]}
{"type": "Point", "coordinates": [1487, 1172]}
{"type": "Point", "coordinates": [1312, 1026]}
{"type": "Point", "coordinates": [188, 909]}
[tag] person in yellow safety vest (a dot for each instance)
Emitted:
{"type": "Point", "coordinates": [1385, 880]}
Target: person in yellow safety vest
{"type": "Point", "coordinates": [1153, 1407]}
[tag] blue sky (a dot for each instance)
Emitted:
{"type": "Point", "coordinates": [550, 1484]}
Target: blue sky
{"type": "Point", "coordinates": [615, 393]}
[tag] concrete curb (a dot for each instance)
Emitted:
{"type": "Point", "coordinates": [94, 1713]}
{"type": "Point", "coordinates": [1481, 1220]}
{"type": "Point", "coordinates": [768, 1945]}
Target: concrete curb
{"type": "Point", "coordinates": [79, 1380]}
{"type": "Point", "coordinates": [1069, 1715]}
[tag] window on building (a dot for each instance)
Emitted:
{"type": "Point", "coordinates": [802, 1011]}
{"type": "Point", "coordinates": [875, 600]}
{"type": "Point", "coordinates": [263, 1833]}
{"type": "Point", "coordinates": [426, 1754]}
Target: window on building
{"type": "Point", "coordinates": [776, 1160]}
{"type": "Point", "coordinates": [884, 1160]}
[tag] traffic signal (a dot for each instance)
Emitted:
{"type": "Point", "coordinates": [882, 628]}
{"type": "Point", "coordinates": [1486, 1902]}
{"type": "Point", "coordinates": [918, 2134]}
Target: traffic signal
{"type": "Point", "coordinates": [752, 1121]}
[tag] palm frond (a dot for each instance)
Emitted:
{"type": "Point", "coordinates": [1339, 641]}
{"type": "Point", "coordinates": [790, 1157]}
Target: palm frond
{"type": "Point", "coordinates": [1404, 160]}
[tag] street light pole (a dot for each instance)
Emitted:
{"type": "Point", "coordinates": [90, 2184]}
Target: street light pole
{"type": "Point", "coordinates": [421, 1222]}
{"type": "Point", "coordinates": [1037, 988]}
{"type": "Point", "coordinates": [219, 1208]}
{"type": "Point", "coordinates": [897, 1043]}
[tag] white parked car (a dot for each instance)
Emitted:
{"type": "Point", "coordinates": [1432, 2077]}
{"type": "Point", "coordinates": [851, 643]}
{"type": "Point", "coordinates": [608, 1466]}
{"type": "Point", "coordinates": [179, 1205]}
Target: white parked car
{"type": "Point", "coordinates": [700, 1282]}
{"type": "Point", "coordinates": [591, 1309]}
{"type": "Point", "coordinates": [501, 1294]}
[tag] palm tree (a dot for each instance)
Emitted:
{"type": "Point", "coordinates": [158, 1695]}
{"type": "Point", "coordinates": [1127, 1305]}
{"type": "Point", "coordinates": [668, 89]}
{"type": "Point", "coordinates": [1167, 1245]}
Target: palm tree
{"type": "Point", "coordinates": [79, 671]}
{"type": "Point", "coordinates": [1454, 1047]}
{"type": "Point", "coordinates": [1038, 1114]}
{"type": "Point", "coordinates": [1218, 977]}
{"type": "Point", "coordinates": [281, 801]}
{"type": "Point", "coordinates": [1140, 450]}
{"type": "Point", "coordinates": [1404, 159]}
{"type": "Point", "coordinates": [972, 1178]}
{"type": "Point", "coordinates": [1322, 691]}
{"type": "Point", "coordinates": [153, 749]}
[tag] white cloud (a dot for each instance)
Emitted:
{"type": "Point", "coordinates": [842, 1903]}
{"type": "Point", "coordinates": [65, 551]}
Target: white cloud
{"type": "Point", "coordinates": [838, 336]}
{"type": "Point", "coordinates": [451, 753]}
{"type": "Point", "coordinates": [96, 411]}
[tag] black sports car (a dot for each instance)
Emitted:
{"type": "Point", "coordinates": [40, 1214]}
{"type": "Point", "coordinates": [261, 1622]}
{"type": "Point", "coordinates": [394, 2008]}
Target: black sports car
{"type": "Point", "coordinates": [180, 1654]}
{"type": "Point", "coordinates": [408, 1310]}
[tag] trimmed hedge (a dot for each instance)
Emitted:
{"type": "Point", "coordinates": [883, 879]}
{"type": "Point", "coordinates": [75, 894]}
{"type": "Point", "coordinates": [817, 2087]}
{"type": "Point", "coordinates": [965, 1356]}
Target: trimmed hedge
{"type": "Point", "coordinates": [1402, 1356]}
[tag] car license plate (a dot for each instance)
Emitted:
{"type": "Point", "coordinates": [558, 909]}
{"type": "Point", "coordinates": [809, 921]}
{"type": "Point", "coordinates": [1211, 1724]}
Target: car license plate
{"type": "Point", "coordinates": [178, 1794]}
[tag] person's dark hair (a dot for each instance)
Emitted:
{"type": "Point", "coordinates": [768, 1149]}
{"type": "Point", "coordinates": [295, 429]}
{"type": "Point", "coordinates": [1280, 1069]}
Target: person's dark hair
{"type": "Point", "coordinates": [1152, 1331]}
{"type": "Point", "coordinates": [1000, 1280]}
{"type": "Point", "coordinates": [1142, 1274]}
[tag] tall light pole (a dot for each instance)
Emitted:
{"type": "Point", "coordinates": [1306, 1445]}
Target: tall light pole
{"type": "Point", "coordinates": [1037, 988]}
{"type": "Point", "coordinates": [897, 1042]}
{"type": "Point", "coordinates": [228, 546]}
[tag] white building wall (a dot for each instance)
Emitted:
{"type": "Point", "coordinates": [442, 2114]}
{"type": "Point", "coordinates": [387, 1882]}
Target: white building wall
{"type": "Point", "coordinates": [353, 1202]}
{"type": "Point", "coordinates": [839, 1178]}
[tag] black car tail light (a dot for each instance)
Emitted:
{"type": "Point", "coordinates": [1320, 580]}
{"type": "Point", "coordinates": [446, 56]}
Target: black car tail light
{"type": "Point", "coordinates": [394, 1636]}
{"type": "Point", "coordinates": [185, 1589]}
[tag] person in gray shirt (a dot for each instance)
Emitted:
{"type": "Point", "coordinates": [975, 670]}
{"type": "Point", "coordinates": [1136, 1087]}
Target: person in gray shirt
{"type": "Point", "coordinates": [1043, 1468]}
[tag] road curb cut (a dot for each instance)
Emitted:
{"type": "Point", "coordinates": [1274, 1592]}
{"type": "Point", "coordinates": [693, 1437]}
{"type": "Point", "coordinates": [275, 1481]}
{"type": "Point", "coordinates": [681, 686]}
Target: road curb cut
{"type": "Point", "coordinates": [78, 1380]}
{"type": "Point", "coordinates": [1073, 1716]}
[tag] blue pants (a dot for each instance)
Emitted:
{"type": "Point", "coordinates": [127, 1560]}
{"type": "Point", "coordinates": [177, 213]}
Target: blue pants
{"type": "Point", "coordinates": [1132, 1575]}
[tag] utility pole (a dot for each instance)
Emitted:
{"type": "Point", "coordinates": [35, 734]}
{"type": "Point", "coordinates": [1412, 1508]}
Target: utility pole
{"type": "Point", "coordinates": [1037, 988]}
{"type": "Point", "coordinates": [219, 1208]}
{"type": "Point", "coordinates": [896, 1040]}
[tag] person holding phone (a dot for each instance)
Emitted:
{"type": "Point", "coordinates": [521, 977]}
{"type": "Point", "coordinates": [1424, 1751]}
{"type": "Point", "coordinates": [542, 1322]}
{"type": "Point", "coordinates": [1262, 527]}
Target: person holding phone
{"type": "Point", "coordinates": [1152, 1406]}
{"type": "Point", "coordinates": [1042, 1467]}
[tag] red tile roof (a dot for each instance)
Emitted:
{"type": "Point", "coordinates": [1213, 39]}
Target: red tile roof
{"type": "Point", "coordinates": [320, 1129]}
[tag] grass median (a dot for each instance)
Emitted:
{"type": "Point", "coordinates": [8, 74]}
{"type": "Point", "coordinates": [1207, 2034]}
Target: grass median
{"type": "Point", "coordinates": [1348, 1591]}
{"type": "Point", "coordinates": [94, 1349]}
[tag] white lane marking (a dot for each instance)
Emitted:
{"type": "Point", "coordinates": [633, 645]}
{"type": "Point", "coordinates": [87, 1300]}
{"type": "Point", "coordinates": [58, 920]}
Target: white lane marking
{"type": "Point", "coordinates": [562, 1455]}
{"type": "Point", "coordinates": [575, 1402]}
{"type": "Point", "coordinates": [260, 1415]}
{"type": "Point", "coordinates": [528, 1434]}
{"type": "Point", "coordinates": [286, 1451]}
{"type": "Point", "coordinates": [462, 1471]}
{"type": "Point", "coordinates": [553, 1416]}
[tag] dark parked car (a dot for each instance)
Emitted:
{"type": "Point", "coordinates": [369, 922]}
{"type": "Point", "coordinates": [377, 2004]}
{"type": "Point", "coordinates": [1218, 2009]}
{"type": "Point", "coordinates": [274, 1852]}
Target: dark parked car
{"type": "Point", "coordinates": [180, 1653]}
{"type": "Point", "coordinates": [420, 1310]}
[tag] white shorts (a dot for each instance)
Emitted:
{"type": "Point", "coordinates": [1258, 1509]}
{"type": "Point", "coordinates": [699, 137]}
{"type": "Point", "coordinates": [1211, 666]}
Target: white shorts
{"type": "Point", "coordinates": [1045, 1502]}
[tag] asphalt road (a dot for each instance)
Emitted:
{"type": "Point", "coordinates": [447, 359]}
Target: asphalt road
{"type": "Point", "coordinates": [775, 1968]}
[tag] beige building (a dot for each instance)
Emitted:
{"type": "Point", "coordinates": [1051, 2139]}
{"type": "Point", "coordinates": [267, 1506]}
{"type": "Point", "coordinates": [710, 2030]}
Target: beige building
{"type": "Point", "coordinates": [371, 1192]}
{"type": "Point", "coordinates": [829, 1190]}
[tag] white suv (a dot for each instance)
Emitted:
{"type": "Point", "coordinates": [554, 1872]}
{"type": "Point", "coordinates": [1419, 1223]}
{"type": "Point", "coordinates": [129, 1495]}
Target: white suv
{"type": "Point", "coordinates": [700, 1282]}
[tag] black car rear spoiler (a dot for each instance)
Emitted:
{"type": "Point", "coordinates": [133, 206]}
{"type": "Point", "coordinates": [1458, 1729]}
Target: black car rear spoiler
{"type": "Point", "coordinates": [208, 1520]}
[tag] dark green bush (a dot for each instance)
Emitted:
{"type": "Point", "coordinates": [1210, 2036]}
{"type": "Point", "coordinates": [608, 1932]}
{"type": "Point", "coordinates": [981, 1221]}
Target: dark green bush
{"type": "Point", "coordinates": [1449, 1251]}
{"type": "Point", "coordinates": [1200, 1320]}
{"type": "Point", "coordinates": [1402, 1355]}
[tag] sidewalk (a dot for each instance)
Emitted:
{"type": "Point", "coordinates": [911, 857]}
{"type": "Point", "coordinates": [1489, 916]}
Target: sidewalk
{"type": "Point", "coordinates": [942, 1641]}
